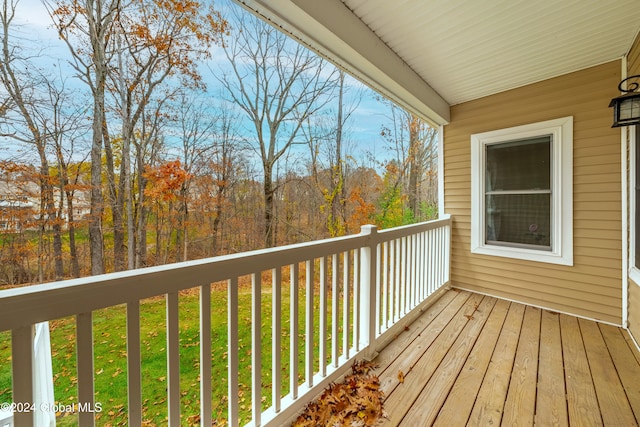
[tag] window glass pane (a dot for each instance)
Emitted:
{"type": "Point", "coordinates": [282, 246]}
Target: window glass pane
{"type": "Point", "coordinates": [519, 218]}
{"type": "Point", "coordinates": [519, 165]}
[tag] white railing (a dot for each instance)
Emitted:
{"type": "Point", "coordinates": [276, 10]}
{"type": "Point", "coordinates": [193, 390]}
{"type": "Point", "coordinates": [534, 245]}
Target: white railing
{"type": "Point", "coordinates": [331, 285]}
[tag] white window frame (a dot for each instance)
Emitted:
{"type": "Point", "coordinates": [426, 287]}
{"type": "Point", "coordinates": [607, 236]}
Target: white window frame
{"type": "Point", "coordinates": [561, 131]}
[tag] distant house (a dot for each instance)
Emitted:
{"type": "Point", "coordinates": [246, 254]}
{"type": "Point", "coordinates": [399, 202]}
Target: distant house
{"type": "Point", "coordinates": [13, 212]}
{"type": "Point", "coordinates": [20, 204]}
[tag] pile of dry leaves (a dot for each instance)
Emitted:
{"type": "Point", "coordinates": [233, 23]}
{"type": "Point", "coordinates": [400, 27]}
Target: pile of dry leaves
{"type": "Point", "coordinates": [357, 401]}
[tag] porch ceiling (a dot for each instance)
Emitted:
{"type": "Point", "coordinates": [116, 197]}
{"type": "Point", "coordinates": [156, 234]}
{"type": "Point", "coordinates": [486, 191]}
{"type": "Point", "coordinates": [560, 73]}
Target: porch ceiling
{"type": "Point", "coordinates": [430, 54]}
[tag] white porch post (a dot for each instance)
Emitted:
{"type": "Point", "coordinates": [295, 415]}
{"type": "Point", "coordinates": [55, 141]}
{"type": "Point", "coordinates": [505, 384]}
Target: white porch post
{"type": "Point", "coordinates": [368, 296]}
{"type": "Point", "coordinates": [440, 171]}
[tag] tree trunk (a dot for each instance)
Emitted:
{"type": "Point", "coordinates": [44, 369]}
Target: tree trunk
{"type": "Point", "coordinates": [338, 205]}
{"type": "Point", "coordinates": [64, 189]}
{"type": "Point", "coordinates": [73, 251]}
{"type": "Point", "coordinates": [141, 240]}
{"type": "Point", "coordinates": [57, 233]}
{"type": "Point", "coordinates": [57, 237]}
{"type": "Point", "coordinates": [41, 251]}
{"type": "Point", "coordinates": [96, 242]}
{"type": "Point", "coordinates": [141, 243]}
{"type": "Point", "coordinates": [158, 235]}
{"type": "Point", "coordinates": [185, 222]}
{"type": "Point", "coordinates": [216, 226]}
{"type": "Point", "coordinates": [97, 26]}
{"type": "Point", "coordinates": [181, 229]}
{"type": "Point", "coordinates": [415, 169]}
{"type": "Point", "coordinates": [131, 230]}
{"type": "Point", "coordinates": [124, 202]}
{"type": "Point", "coordinates": [48, 213]}
{"type": "Point", "coordinates": [269, 222]}
{"type": "Point", "coordinates": [115, 200]}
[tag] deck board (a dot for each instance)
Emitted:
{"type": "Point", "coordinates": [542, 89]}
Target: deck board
{"type": "Point", "coordinates": [626, 364]}
{"type": "Point", "coordinates": [614, 405]}
{"type": "Point", "coordinates": [476, 360]}
{"type": "Point", "coordinates": [521, 398]}
{"type": "Point", "coordinates": [407, 358]}
{"type": "Point", "coordinates": [402, 398]}
{"type": "Point", "coordinates": [582, 403]}
{"type": "Point", "coordinates": [457, 408]}
{"type": "Point", "coordinates": [489, 404]}
{"type": "Point", "coordinates": [435, 392]}
{"type": "Point", "coordinates": [402, 342]}
{"type": "Point", "coordinates": [551, 411]}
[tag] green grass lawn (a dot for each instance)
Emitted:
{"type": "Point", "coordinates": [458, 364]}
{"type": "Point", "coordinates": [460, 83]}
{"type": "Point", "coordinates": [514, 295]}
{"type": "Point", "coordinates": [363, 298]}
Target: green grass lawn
{"type": "Point", "coordinates": [110, 358]}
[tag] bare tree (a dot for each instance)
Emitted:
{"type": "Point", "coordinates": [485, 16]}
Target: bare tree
{"type": "Point", "coordinates": [33, 101]}
{"type": "Point", "coordinates": [422, 156]}
{"type": "Point", "coordinates": [148, 144]}
{"type": "Point", "coordinates": [87, 27]}
{"type": "Point", "coordinates": [278, 84]}
{"type": "Point", "coordinates": [197, 126]}
{"type": "Point", "coordinates": [213, 178]}
{"type": "Point", "coordinates": [328, 143]}
{"type": "Point", "coordinates": [156, 41]}
{"type": "Point", "coordinates": [65, 128]}
{"type": "Point", "coordinates": [129, 49]}
{"type": "Point", "coordinates": [413, 144]}
{"type": "Point", "coordinates": [223, 165]}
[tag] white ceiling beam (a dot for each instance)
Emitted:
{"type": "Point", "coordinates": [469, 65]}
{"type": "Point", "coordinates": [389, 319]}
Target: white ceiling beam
{"type": "Point", "coordinates": [331, 29]}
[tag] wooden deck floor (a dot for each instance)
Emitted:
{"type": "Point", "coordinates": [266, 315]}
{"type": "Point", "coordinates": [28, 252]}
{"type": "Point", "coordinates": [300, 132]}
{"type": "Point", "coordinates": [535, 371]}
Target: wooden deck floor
{"type": "Point", "coordinates": [479, 361]}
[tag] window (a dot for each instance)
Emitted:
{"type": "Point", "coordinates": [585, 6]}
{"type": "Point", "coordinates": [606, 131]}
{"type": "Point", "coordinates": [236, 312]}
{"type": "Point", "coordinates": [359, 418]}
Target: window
{"type": "Point", "coordinates": [517, 191]}
{"type": "Point", "coordinates": [521, 183]}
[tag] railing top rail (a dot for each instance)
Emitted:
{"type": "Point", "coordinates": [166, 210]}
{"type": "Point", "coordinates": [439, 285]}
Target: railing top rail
{"type": "Point", "coordinates": [405, 230]}
{"type": "Point", "coordinates": [37, 303]}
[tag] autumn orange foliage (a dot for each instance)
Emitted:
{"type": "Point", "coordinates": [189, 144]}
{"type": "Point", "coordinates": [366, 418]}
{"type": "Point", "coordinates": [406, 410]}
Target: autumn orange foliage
{"type": "Point", "coordinates": [165, 181]}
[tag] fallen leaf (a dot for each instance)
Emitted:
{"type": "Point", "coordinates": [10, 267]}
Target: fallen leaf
{"type": "Point", "coordinates": [400, 377]}
{"type": "Point", "coordinates": [357, 401]}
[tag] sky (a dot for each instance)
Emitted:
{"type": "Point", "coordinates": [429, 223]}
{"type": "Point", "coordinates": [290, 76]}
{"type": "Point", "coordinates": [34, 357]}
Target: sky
{"type": "Point", "coordinates": [363, 133]}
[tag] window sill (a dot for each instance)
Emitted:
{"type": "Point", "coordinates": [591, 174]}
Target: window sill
{"type": "Point", "coordinates": [525, 254]}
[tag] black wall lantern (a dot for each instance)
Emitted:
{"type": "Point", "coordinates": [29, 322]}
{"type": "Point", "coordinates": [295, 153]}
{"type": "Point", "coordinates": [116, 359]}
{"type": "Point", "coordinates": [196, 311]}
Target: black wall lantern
{"type": "Point", "coordinates": [626, 108]}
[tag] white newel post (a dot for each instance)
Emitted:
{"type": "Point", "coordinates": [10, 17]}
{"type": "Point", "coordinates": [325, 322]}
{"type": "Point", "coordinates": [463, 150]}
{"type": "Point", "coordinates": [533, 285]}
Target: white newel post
{"type": "Point", "coordinates": [43, 398]}
{"type": "Point", "coordinates": [368, 296]}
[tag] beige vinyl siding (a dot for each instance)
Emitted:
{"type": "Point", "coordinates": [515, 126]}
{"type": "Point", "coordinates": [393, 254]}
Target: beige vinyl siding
{"type": "Point", "coordinates": [634, 309]}
{"type": "Point", "coordinates": [592, 286]}
{"type": "Point", "coordinates": [633, 58]}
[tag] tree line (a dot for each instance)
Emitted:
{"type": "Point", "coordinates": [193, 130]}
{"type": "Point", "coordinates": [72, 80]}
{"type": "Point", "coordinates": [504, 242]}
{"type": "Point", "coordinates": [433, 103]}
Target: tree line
{"type": "Point", "coordinates": [135, 160]}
